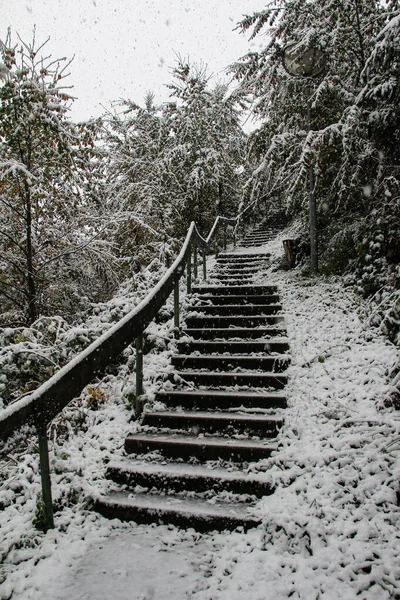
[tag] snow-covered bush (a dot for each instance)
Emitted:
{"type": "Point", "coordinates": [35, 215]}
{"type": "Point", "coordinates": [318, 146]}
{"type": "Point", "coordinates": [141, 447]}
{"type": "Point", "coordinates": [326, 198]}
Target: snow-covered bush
{"type": "Point", "coordinates": [30, 355]}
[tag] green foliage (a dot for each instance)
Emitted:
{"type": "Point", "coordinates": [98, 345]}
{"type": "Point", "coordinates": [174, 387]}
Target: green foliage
{"type": "Point", "coordinates": [39, 518]}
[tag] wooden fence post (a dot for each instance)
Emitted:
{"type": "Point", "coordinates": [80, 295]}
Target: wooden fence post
{"type": "Point", "coordinates": [204, 265]}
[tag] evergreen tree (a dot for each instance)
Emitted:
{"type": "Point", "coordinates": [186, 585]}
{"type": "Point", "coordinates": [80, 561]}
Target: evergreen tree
{"type": "Point", "coordinates": [352, 137]}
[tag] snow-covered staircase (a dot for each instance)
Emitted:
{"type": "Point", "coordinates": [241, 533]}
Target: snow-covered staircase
{"type": "Point", "coordinates": [188, 463]}
{"type": "Point", "coordinates": [266, 231]}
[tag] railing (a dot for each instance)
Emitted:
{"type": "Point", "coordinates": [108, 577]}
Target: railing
{"type": "Point", "coordinates": [45, 403]}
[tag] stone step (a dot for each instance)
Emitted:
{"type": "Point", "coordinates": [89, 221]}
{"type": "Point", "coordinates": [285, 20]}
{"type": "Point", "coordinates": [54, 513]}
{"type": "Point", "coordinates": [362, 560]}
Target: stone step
{"type": "Point", "coordinates": [237, 309]}
{"type": "Point", "coordinates": [197, 422]}
{"type": "Point", "coordinates": [180, 477]}
{"type": "Point", "coordinates": [224, 321]}
{"type": "Point", "coordinates": [247, 378]}
{"type": "Point", "coordinates": [213, 299]}
{"type": "Point", "coordinates": [217, 399]}
{"type": "Point", "coordinates": [235, 332]}
{"type": "Point", "coordinates": [213, 362]}
{"type": "Point", "coordinates": [232, 347]}
{"type": "Point", "coordinates": [237, 290]}
{"type": "Point", "coordinates": [172, 510]}
{"type": "Point", "coordinates": [202, 448]}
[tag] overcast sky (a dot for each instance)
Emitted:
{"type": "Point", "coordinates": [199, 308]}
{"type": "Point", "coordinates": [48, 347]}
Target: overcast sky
{"type": "Point", "coordinates": [125, 47]}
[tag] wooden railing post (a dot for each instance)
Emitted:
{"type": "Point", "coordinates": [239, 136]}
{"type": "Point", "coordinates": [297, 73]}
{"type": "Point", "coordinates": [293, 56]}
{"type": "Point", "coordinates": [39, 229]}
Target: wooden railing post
{"type": "Point", "coordinates": [176, 304]}
{"type": "Point", "coordinates": [45, 476]}
{"type": "Point", "coordinates": [204, 265]}
{"type": "Point", "coordinates": [234, 238]}
{"type": "Point", "coordinates": [189, 272]}
{"type": "Point", "coordinates": [225, 238]}
{"type": "Point", "coordinates": [216, 246]}
{"type": "Point", "coordinates": [195, 262]}
{"type": "Point", "coordinates": [139, 374]}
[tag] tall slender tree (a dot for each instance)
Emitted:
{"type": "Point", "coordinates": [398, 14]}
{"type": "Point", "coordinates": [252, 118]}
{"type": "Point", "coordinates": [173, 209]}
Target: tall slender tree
{"type": "Point", "coordinates": [45, 165]}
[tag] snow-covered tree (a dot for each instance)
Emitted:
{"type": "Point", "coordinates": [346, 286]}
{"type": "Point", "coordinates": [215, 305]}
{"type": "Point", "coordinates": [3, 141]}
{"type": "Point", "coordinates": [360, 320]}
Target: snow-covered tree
{"type": "Point", "coordinates": [344, 30]}
{"type": "Point", "coordinates": [350, 134]}
{"type": "Point", "coordinates": [178, 162]}
{"type": "Point", "coordinates": [208, 148]}
{"type": "Point", "coordinates": [49, 247]}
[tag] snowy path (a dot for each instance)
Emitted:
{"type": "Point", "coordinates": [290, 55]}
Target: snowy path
{"type": "Point", "coordinates": [135, 563]}
{"type": "Point", "coordinates": [330, 531]}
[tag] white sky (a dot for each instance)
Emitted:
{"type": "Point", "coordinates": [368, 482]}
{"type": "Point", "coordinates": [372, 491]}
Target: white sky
{"type": "Point", "coordinates": [125, 47]}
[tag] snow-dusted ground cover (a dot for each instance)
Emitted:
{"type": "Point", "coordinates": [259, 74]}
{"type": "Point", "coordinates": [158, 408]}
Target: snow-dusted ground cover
{"type": "Point", "coordinates": [330, 530]}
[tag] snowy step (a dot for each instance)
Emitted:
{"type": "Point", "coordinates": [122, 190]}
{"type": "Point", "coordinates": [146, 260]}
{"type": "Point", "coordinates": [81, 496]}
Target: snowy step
{"type": "Point", "coordinates": [211, 422]}
{"type": "Point", "coordinates": [238, 290]}
{"type": "Point", "coordinates": [259, 241]}
{"type": "Point", "coordinates": [217, 399]}
{"type": "Point", "coordinates": [243, 256]}
{"type": "Point", "coordinates": [238, 309]}
{"type": "Point", "coordinates": [206, 361]}
{"type": "Point", "coordinates": [242, 262]}
{"type": "Point", "coordinates": [239, 268]}
{"type": "Point", "coordinates": [181, 477]}
{"type": "Point", "coordinates": [235, 332]}
{"type": "Point", "coordinates": [232, 273]}
{"type": "Point", "coordinates": [182, 512]}
{"type": "Point", "coordinates": [262, 235]}
{"type": "Point", "coordinates": [233, 347]}
{"type": "Point", "coordinates": [223, 321]}
{"type": "Point", "coordinates": [202, 448]}
{"type": "Point", "coordinates": [232, 279]}
{"type": "Point", "coordinates": [212, 299]}
{"type": "Point", "coordinates": [250, 378]}
{"type": "Point", "coordinates": [240, 272]}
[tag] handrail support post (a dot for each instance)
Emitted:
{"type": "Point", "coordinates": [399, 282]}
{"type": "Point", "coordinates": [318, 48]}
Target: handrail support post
{"type": "Point", "coordinates": [204, 265]}
{"type": "Point", "coordinates": [139, 374]}
{"type": "Point", "coordinates": [45, 476]}
{"type": "Point", "coordinates": [189, 272]}
{"type": "Point", "coordinates": [176, 304]}
{"type": "Point", "coordinates": [195, 262]}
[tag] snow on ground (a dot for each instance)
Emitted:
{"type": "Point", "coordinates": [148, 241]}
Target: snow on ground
{"type": "Point", "coordinates": [330, 530]}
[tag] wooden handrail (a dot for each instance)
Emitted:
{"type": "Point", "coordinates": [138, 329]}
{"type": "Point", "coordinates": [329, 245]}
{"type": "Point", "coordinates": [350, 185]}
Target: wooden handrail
{"type": "Point", "coordinates": [45, 403]}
